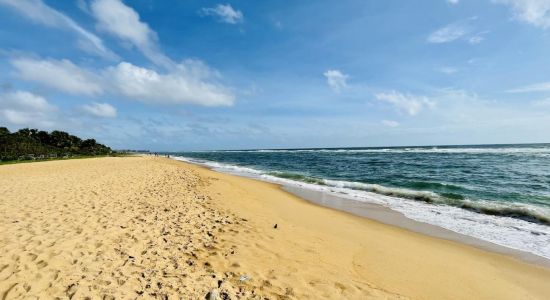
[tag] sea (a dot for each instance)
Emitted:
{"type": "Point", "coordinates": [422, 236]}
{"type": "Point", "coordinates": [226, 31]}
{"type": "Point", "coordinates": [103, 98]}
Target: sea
{"type": "Point", "coordinates": [496, 193]}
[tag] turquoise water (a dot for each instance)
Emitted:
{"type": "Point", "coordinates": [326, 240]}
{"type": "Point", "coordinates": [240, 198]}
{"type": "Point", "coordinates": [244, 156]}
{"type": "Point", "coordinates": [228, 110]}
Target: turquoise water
{"type": "Point", "coordinates": [504, 185]}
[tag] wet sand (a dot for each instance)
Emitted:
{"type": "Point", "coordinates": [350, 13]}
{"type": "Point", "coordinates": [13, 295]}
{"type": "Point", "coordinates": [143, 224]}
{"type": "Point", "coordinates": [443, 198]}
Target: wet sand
{"type": "Point", "coordinates": [391, 217]}
{"type": "Point", "coordinates": [142, 227]}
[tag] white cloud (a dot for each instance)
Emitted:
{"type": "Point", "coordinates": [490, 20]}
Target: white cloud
{"type": "Point", "coordinates": [102, 110]}
{"type": "Point", "coordinates": [476, 39]}
{"type": "Point", "coordinates": [224, 12]}
{"type": "Point", "coordinates": [460, 30]}
{"type": "Point", "coordinates": [22, 108]}
{"type": "Point", "coordinates": [539, 87]}
{"type": "Point", "coordinates": [39, 12]}
{"type": "Point", "coordinates": [123, 22]}
{"type": "Point", "coordinates": [390, 123]}
{"type": "Point", "coordinates": [59, 74]}
{"type": "Point", "coordinates": [453, 1]}
{"type": "Point", "coordinates": [534, 12]}
{"type": "Point", "coordinates": [190, 82]}
{"type": "Point", "coordinates": [448, 33]}
{"type": "Point", "coordinates": [336, 79]}
{"type": "Point", "coordinates": [407, 103]}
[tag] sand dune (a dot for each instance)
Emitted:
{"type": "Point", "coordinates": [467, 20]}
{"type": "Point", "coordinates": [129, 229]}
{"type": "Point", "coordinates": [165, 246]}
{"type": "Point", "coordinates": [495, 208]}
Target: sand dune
{"type": "Point", "coordinates": [144, 227]}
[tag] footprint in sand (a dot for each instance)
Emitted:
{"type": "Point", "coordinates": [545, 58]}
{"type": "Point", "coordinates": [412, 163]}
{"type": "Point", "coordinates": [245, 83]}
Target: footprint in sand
{"type": "Point", "coordinates": [32, 256]}
{"type": "Point", "coordinates": [55, 275]}
{"type": "Point", "coordinates": [41, 264]}
{"type": "Point", "coordinates": [71, 290]}
{"type": "Point", "coordinates": [5, 294]}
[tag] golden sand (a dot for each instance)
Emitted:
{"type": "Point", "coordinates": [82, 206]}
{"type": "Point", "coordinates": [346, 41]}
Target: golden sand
{"type": "Point", "coordinates": [143, 227]}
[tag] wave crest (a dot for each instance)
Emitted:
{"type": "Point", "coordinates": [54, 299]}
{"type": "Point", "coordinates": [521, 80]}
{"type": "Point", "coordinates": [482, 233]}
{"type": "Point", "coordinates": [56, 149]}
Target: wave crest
{"type": "Point", "coordinates": [522, 211]}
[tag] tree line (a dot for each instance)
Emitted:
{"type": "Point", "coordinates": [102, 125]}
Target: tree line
{"type": "Point", "coordinates": [28, 143]}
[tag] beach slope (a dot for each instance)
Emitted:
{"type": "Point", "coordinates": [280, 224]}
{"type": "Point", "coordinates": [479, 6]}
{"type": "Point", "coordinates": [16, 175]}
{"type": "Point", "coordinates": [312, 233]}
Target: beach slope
{"type": "Point", "coordinates": [143, 227]}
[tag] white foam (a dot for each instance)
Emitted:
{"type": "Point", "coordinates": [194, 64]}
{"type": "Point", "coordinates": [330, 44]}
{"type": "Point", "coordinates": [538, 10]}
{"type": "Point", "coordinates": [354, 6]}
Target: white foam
{"type": "Point", "coordinates": [542, 150]}
{"type": "Point", "coordinates": [220, 166]}
{"type": "Point", "coordinates": [505, 231]}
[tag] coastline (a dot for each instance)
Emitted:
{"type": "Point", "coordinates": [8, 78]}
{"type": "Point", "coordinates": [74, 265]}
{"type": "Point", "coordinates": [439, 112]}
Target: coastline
{"type": "Point", "coordinates": [130, 223]}
{"type": "Point", "coordinates": [415, 254]}
{"type": "Point", "coordinates": [343, 200]}
{"type": "Point", "coordinates": [391, 217]}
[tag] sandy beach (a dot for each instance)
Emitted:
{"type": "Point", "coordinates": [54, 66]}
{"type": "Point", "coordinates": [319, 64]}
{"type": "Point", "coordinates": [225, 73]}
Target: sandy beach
{"type": "Point", "coordinates": [144, 227]}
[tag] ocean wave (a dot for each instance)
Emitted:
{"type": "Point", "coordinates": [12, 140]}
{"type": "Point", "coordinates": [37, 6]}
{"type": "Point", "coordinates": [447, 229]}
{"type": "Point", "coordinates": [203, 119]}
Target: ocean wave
{"type": "Point", "coordinates": [524, 212]}
{"type": "Point", "coordinates": [216, 165]}
{"type": "Point", "coordinates": [521, 211]}
{"type": "Point", "coordinates": [434, 185]}
{"type": "Point", "coordinates": [295, 176]}
{"type": "Point", "coordinates": [426, 196]}
{"type": "Point", "coordinates": [543, 150]}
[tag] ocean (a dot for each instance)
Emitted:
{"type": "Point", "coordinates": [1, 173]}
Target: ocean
{"type": "Point", "coordinates": [497, 193]}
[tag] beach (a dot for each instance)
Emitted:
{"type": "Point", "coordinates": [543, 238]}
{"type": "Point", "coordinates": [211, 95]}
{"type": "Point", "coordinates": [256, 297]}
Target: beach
{"type": "Point", "coordinates": [146, 227]}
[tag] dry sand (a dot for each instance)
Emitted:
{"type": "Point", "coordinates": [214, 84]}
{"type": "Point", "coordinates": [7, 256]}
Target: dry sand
{"type": "Point", "coordinates": [144, 227]}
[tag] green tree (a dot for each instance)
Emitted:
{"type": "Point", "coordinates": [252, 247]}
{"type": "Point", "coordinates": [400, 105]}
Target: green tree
{"type": "Point", "coordinates": [24, 142]}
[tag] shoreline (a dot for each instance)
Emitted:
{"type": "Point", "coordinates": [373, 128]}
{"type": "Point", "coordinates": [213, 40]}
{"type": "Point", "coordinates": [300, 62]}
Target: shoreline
{"type": "Point", "coordinates": [422, 253]}
{"type": "Point", "coordinates": [386, 215]}
{"type": "Point", "coordinates": [145, 227]}
{"type": "Point", "coordinates": [391, 217]}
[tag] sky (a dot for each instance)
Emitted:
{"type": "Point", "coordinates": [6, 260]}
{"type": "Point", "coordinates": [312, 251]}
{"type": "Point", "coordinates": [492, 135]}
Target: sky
{"type": "Point", "coordinates": [196, 75]}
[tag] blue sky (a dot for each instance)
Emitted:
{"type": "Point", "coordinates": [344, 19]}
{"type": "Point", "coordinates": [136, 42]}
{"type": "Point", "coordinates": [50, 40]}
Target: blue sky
{"type": "Point", "coordinates": [187, 75]}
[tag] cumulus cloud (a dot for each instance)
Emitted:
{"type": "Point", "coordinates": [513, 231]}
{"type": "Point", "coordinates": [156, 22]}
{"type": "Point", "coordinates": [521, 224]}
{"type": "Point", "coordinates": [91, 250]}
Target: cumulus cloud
{"type": "Point", "coordinates": [123, 22]}
{"type": "Point", "coordinates": [407, 103]}
{"type": "Point", "coordinates": [23, 108]}
{"type": "Point", "coordinates": [534, 12]}
{"type": "Point", "coordinates": [40, 13]}
{"type": "Point", "coordinates": [336, 80]}
{"type": "Point", "coordinates": [189, 82]}
{"type": "Point", "coordinates": [62, 75]}
{"type": "Point", "coordinates": [224, 12]}
{"type": "Point", "coordinates": [102, 110]}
